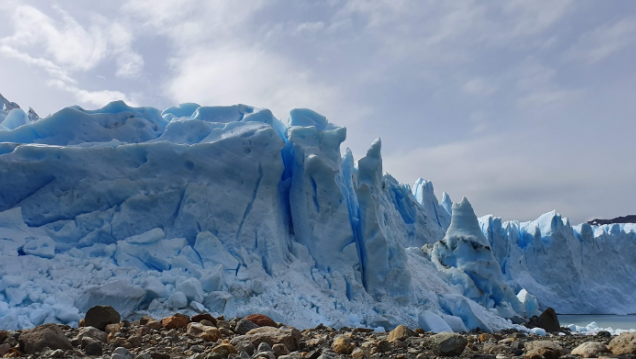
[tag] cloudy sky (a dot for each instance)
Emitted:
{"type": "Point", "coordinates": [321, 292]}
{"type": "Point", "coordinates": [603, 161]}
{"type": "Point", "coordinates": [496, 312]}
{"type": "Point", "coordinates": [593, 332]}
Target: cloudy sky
{"type": "Point", "coordinates": [521, 106]}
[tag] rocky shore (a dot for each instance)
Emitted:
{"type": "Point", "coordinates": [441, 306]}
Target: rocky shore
{"type": "Point", "coordinates": [102, 334]}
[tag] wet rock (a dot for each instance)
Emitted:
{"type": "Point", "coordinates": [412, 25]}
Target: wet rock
{"type": "Point", "coordinates": [448, 344]}
{"type": "Point", "coordinates": [261, 320]}
{"type": "Point", "coordinates": [623, 344]}
{"type": "Point", "coordinates": [47, 335]}
{"type": "Point", "coordinates": [100, 316]}
{"type": "Point", "coordinates": [590, 350]}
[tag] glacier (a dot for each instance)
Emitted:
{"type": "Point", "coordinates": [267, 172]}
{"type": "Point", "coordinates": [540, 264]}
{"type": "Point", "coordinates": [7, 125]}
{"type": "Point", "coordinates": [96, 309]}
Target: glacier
{"type": "Point", "coordinates": [229, 210]}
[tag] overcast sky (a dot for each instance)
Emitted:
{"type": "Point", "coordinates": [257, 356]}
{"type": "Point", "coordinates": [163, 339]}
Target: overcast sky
{"type": "Point", "coordinates": [521, 106]}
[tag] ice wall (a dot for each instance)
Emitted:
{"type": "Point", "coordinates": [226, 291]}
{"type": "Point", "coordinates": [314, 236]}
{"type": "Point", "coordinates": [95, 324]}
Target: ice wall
{"type": "Point", "coordinates": [221, 209]}
{"type": "Point", "coordinates": [581, 269]}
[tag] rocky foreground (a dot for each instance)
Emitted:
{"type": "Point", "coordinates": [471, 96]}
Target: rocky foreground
{"type": "Point", "coordinates": [103, 334]}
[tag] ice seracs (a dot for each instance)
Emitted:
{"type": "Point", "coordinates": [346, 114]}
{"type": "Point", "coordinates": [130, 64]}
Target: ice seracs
{"type": "Point", "coordinates": [228, 210]}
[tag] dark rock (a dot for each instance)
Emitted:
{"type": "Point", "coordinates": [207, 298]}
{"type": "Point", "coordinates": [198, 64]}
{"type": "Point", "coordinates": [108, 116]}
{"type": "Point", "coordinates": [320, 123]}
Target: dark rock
{"type": "Point", "coordinates": [94, 348]}
{"type": "Point", "coordinates": [100, 316]}
{"type": "Point", "coordinates": [549, 321]}
{"type": "Point", "coordinates": [243, 326]}
{"type": "Point", "coordinates": [47, 335]}
{"type": "Point", "coordinates": [604, 334]}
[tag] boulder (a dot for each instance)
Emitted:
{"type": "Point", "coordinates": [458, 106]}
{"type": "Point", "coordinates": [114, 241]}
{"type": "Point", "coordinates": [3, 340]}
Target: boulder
{"type": "Point", "coordinates": [590, 350]}
{"type": "Point", "coordinates": [545, 348]}
{"type": "Point", "coordinates": [93, 333]}
{"type": "Point", "coordinates": [100, 316]}
{"type": "Point", "coordinates": [243, 326]}
{"type": "Point", "coordinates": [623, 344]}
{"type": "Point", "coordinates": [549, 321]}
{"type": "Point", "coordinates": [288, 336]}
{"type": "Point", "coordinates": [211, 334]}
{"type": "Point", "coordinates": [448, 344]}
{"type": "Point", "coordinates": [261, 320]}
{"type": "Point", "coordinates": [47, 335]}
{"type": "Point", "coordinates": [342, 345]}
{"type": "Point", "coordinates": [399, 333]}
{"type": "Point", "coordinates": [176, 321]}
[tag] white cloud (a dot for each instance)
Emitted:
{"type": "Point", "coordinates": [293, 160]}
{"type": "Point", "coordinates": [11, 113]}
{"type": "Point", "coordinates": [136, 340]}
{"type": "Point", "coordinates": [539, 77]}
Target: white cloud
{"type": "Point", "coordinates": [603, 42]}
{"type": "Point", "coordinates": [256, 77]}
{"type": "Point", "coordinates": [69, 44]}
{"type": "Point", "coordinates": [91, 98]}
{"type": "Point", "coordinates": [479, 87]}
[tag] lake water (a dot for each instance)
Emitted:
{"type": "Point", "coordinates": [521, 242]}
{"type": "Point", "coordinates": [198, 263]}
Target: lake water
{"type": "Point", "coordinates": [623, 322]}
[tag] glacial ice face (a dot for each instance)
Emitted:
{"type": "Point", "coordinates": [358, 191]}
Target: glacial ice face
{"type": "Point", "coordinates": [591, 266]}
{"type": "Point", "coordinates": [228, 210]}
{"type": "Point", "coordinates": [221, 209]}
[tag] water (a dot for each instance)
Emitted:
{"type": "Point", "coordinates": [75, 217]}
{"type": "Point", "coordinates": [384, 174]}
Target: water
{"type": "Point", "coordinates": [623, 322]}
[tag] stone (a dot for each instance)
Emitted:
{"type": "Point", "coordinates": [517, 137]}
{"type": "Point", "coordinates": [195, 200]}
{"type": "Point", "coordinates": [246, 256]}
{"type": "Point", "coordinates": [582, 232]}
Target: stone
{"type": "Point", "coordinates": [46, 335]}
{"type": "Point", "coordinates": [383, 346]}
{"type": "Point", "coordinates": [92, 332]}
{"type": "Point", "coordinates": [243, 326]}
{"type": "Point", "coordinates": [211, 334]}
{"type": "Point", "coordinates": [264, 347]}
{"type": "Point", "coordinates": [604, 334]}
{"type": "Point", "coordinates": [195, 329]}
{"type": "Point", "coordinates": [4, 348]}
{"type": "Point", "coordinates": [401, 333]}
{"type": "Point", "coordinates": [121, 353]}
{"type": "Point", "coordinates": [100, 316]}
{"type": "Point", "coordinates": [3, 335]}
{"type": "Point", "coordinates": [357, 353]}
{"type": "Point", "coordinates": [533, 355]}
{"type": "Point", "coordinates": [342, 345]}
{"type": "Point", "coordinates": [623, 344]}
{"type": "Point", "coordinates": [549, 321]}
{"type": "Point", "coordinates": [448, 344]}
{"type": "Point", "coordinates": [112, 328]}
{"type": "Point", "coordinates": [203, 316]}
{"type": "Point", "coordinates": [145, 319]}
{"type": "Point", "coordinates": [280, 349]}
{"type": "Point", "coordinates": [590, 349]}
{"type": "Point", "coordinates": [542, 346]}
{"type": "Point", "coordinates": [288, 336]}
{"type": "Point", "coordinates": [176, 321]}
{"type": "Point", "coordinates": [135, 341]}
{"type": "Point", "coordinates": [94, 348]}
{"type": "Point", "coordinates": [154, 324]}
{"type": "Point", "coordinates": [223, 350]}
{"type": "Point", "coordinates": [261, 320]}
{"type": "Point", "coordinates": [484, 337]}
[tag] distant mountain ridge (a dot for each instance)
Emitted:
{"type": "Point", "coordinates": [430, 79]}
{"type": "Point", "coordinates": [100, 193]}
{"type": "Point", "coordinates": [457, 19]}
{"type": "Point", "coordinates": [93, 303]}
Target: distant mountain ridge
{"type": "Point", "coordinates": [626, 219]}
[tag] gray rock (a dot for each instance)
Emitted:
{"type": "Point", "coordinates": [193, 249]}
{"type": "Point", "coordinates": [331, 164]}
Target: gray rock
{"type": "Point", "coordinates": [243, 326]}
{"type": "Point", "coordinates": [448, 344]}
{"type": "Point", "coordinates": [288, 336]}
{"type": "Point", "coordinates": [100, 316]}
{"type": "Point", "coordinates": [121, 353]}
{"type": "Point", "coordinates": [47, 335]}
{"type": "Point", "coordinates": [93, 333]}
{"type": "Point", "coordinates": [264, 347]}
